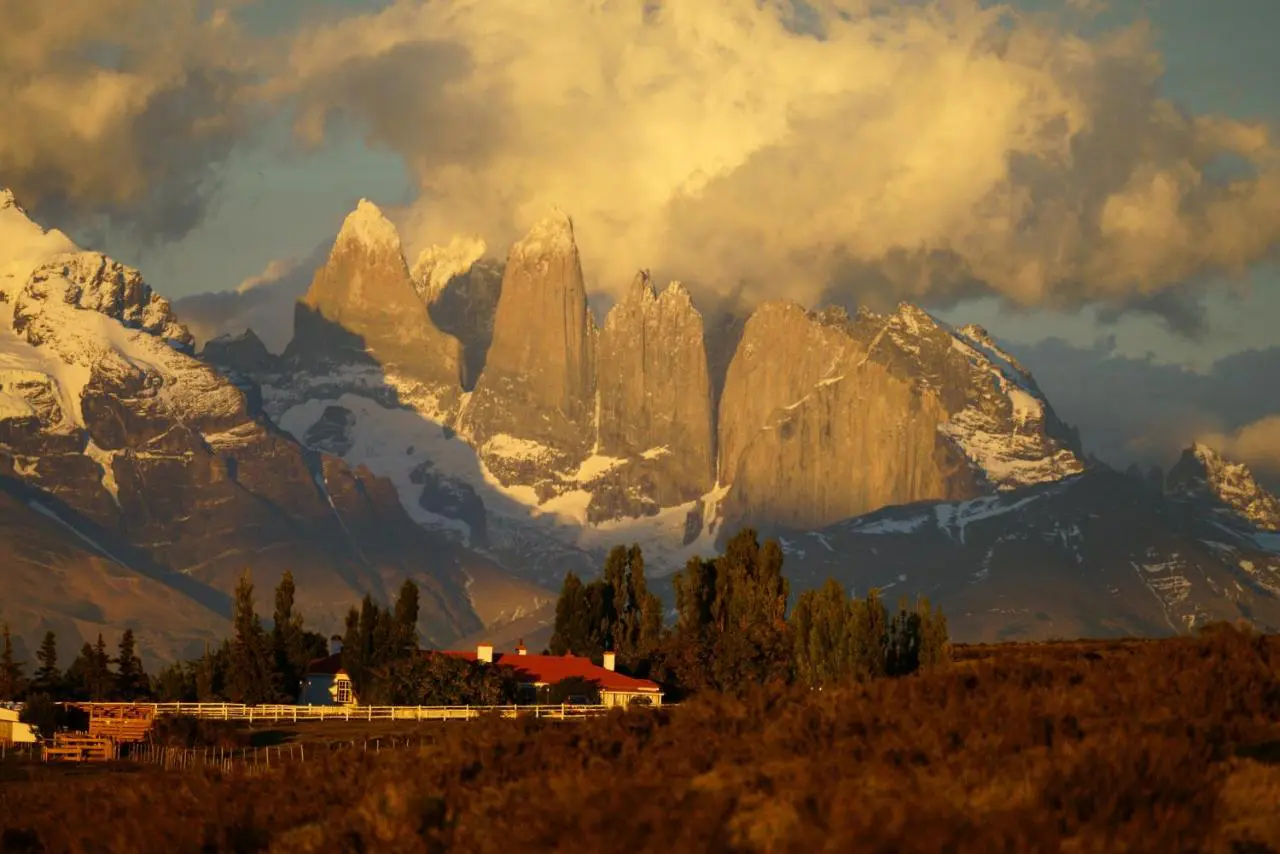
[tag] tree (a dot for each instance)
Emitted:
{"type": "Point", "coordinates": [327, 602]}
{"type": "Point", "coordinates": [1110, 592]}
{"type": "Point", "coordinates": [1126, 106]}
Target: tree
{"type": "Point", "coordinates": [249, 669]}
{"type": "Point", "coordinates": [572, 626]}
{"type": "Point", "coordinates": [869, 635]}
{"type": "Point", "coordinates": [102, 679]}
{"type": "Point", "coordinates": [131, 679]}
{"type": "Point", "coordinates": [289, 645]}
{"type": "Point", "coordinates": [935, 645]}
{"type": "Point", "coordinates": [47, 678]}
{"type": "Point", "coordinates": [821, 628]}
{"type": "Point", "coordinates": [89, 677]}
{"type": "Point", "coordinates": [437, 679]}
{"type": "Point", "coordinates": [634, 614]}
{"type": "Point", "coordinates": [11, 682]}
{"type": "Point", "coordinates": [732, 630]}
{"type": "Point", "coordinates": [405, 621]}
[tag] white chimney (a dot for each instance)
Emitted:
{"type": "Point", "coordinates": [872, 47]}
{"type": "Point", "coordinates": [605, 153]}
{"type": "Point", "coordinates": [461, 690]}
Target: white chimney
{"type": "Point", "coordinates": [520, 648]}
{"type": "Point", "coordinates": [610, 661]}
{"type": "Point", "coordinates": [335, 645]}
{"type": "Point", "coordinates": [484, 652]}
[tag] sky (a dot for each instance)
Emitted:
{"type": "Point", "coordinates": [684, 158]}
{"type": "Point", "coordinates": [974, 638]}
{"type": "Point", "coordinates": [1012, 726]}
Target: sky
{"type": "Point", "coordinates": [1100, 177]}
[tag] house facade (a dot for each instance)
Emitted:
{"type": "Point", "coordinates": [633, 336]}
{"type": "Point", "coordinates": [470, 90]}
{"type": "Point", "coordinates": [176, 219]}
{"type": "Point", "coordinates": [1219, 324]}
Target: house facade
{"type": "Point", "coordinates": [327, 684]}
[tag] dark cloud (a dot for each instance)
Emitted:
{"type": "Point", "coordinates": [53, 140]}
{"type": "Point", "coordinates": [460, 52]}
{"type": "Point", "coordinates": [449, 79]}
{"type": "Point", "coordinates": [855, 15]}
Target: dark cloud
{"type": "Point", "coordinates": [121, 110]}
{"type": "Point", "coordinates": [1139, 410]}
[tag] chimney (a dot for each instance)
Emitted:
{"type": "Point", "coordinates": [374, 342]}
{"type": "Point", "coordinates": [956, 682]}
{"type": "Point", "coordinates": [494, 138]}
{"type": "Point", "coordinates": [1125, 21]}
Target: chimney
{"type": "Point", "coordinates": [520, 648]}
{"type": "Point", "coordinates": [610, 660]}
{"type": "Point", "coordinates": [484, 652]}
{"type": "Point", "coordinates": [335, 645]}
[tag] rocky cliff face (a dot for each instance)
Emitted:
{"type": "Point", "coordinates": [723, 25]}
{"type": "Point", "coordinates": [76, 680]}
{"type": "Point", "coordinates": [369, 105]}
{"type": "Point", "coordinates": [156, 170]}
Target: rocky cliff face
{"type": "Point", "coordinates": [1203, 476]}
{"type": "Point", "coordinates": [533, 410]}
{"type": "Point", "coordinates": [113, 426]}
{"type": "Point", "coordinates": [363, 306]}
{"type": "Point", "coordinates": [655, 394]}
{"type": "Point", "coordinates": [825, 417]}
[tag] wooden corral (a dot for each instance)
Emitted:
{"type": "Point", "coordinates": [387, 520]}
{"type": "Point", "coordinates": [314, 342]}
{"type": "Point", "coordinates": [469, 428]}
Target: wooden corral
{"type": "Point", "coordinates": [70, 747]}
{"type": "Point", "coordinates": [124, 723]}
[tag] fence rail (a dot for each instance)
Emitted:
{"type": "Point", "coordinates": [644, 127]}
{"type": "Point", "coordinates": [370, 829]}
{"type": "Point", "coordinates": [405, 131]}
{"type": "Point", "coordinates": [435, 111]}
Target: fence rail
{"type": "Point", "coordinates": [294, 714]}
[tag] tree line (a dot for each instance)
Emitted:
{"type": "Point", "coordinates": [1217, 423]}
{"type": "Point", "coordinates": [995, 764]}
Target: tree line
{"type": "Point", "coordinates": [732, 629]}
{"type": "Point", "coordinates": [94, 674]}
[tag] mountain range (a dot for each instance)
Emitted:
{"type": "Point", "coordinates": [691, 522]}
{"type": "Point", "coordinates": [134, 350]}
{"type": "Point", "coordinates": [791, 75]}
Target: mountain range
{"type": "Point", "coordinates": [466, 422]}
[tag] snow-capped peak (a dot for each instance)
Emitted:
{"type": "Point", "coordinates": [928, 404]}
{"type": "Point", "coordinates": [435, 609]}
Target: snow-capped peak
{"type": "Point", "coordinates": [551, 235]}
{"type": "Point", "coordinates": [438, 265]}
{"type": "Point", "coordinates": [24, 246]}
{"type": "Point", "coordinates": [1203, 473]}
{"type": "Point", "coordinates": [369, 226]}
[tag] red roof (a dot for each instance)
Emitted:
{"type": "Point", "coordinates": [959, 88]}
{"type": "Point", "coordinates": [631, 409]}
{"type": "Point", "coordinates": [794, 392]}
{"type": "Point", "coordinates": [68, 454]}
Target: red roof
{"type": "Point", "coordinates": [550, 669]}
{"type": "Point", "coordinates": [546, 669]}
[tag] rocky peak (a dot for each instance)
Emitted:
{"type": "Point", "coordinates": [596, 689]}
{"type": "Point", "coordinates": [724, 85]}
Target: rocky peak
{"type": "Point", "coordinates": [7, 199]}
{"type": "Point", "coordinates": [1202, 474]}
{"type": "Point", "coordinates": [552, 235]}
{"type": "Point", "coordinates": [244, 353]}
{"type": "Point", "coordinates": [437, 266]}
{"type": "Point", "coordinates": [102, 284]}
{"type": "Point", "coordinates": [538, 382]}
{"type": "Point", "coordinates": [362, 305]}
{"type": "Point", "coordinates": [368, 226]}
{"type": "Point", "coordinates": [655, 390]}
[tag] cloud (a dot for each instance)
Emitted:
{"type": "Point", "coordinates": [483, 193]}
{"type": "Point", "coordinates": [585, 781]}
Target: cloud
{"type": "Point", "coordinates": [1138, 410]}
{"type": "Point", "coordinates": [1257, 444]}
{"type": "Point", "coordinates": [120, 108]}
{"type": "Point", "coordinates": [264, 302]}
{"type": "Point", "coordinates": [851, 148]}
{"type": "Point", "coordinates": [274, 271]}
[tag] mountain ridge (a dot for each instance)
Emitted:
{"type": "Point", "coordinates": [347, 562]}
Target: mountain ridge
{"type": "Point", "coordinates": [475, 411]}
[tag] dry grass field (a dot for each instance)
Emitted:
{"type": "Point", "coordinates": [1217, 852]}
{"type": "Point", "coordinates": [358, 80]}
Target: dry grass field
{"type": "Point", "coordinates": [1168, 746]}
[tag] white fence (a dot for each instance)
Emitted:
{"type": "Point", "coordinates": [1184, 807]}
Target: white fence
{"type": "Point", "coordinates": [294, 714]}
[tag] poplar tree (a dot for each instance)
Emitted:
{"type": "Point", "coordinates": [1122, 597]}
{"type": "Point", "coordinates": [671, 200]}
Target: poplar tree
{"type": "Point", "coordinates": [249, 668]}
{"type": "Point", "coordinates": [405, 621]}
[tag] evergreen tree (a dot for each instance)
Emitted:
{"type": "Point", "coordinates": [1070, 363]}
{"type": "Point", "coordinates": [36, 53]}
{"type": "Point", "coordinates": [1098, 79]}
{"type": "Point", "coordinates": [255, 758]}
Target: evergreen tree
{"type": "Point", "coordinates": [11, 682]}
{"type": "Point", "coordinates": [405, 634]}
{"type": "Point", "coordinates": [48, 679]}
{"type": "Point", "coordinates": [131, 679]}
{"type": "Point", "coordinates": [101, 680]}
{"type": "Point", "coordinates": [249, 669]}
{"type": "Point", "coordinates": [572, 626]}
{"type": "Point", "coordinates": [76, 678]}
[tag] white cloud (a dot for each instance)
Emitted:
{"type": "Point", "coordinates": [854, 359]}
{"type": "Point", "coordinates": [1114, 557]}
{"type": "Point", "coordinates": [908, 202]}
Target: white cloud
{"type": "Point", "coordinates": [917, 150]}
{"type": "Point", "coordinates": [273, 272]}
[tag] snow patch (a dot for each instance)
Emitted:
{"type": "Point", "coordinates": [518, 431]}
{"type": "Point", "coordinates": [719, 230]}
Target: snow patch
{"type": "Point", "coordinates": [890, 526]}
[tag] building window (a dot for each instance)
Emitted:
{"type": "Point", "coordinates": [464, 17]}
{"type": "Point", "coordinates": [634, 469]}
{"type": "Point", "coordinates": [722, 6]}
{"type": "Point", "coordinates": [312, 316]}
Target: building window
{"type": "Point", "coordinates": [343, 692]}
